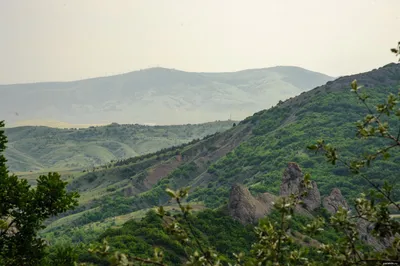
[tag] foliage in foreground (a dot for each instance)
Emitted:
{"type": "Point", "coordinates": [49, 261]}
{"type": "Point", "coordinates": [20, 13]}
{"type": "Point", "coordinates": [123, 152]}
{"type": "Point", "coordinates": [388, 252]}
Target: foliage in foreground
{"type": "Point", "coordinates": [23, 210]}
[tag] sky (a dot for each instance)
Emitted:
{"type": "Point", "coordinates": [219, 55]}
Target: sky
{"type": "Point", "coordinates": [62, 40]}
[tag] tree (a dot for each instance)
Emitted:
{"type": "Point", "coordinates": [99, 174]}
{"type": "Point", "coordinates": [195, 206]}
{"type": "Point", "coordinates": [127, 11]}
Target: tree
{"type": "Point", "coordinates": [23, 210]}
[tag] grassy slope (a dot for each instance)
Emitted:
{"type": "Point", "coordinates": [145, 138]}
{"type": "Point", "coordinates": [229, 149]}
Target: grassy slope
{"type": "Point", "coordinates": [44, 149]}
{"type": "Point", "coordinates": [127, 184]}
{"type": "Point", "coordinates": [255, 153]}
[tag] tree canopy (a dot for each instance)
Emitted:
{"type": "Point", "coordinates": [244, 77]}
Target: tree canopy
{"type": "Point", "coordinates": [23, 210]}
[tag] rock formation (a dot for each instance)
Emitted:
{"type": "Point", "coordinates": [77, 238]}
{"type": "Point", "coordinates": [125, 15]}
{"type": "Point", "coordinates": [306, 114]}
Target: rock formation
{"type": "Point", "coordinates": [334, 201]}
{"type": "Point", "coordinates": [292, 183]}
{"type": "Point", "coordinates": [241, 204]}
{"type": "Point", "coordinates": [247, 209]}
{"type": "Point", "coordinates": [292, 180]}
{"type": "Point", "coordinates": [313, 199]}
{"type": "Point", "coordinates": [365, 228]}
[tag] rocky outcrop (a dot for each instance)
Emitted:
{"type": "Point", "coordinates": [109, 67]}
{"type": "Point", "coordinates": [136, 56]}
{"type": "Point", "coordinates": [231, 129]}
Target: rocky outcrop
{"type": "Point", "coordinates": [293, 183]}
{"type": "Point", "coordinates": [292, 180]}
{"type": "Point", "coordinates": [245, 208]}
{"type": "Point", "coordinates": [312, 200]}
{"type": "Point", "coordinates": [241, 204]}
{"type": "Point", "coordinates": [365, 230]}
{"type": "Point", "coordinates": [264, 204]}
{"type": "Point", "coordinates": [334, 201]}
{"type": "Point", "coordinates": [248, 209]}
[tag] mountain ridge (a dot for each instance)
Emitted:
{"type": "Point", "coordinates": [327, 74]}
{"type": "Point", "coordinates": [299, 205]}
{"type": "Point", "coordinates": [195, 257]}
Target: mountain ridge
{"type": "Point", "coordinates": [168, 69]}
{"type": "Point", "coordinates": [157, 96]}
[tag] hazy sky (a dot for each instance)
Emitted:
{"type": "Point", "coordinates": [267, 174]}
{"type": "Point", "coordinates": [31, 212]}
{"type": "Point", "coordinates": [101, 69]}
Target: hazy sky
{"type": "Point", "coordinates": [58, 40]}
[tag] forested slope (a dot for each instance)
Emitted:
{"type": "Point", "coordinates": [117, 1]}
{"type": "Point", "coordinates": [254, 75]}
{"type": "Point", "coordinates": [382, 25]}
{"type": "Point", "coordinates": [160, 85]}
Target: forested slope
{"type": "Point", "coordinates": [37, 148]}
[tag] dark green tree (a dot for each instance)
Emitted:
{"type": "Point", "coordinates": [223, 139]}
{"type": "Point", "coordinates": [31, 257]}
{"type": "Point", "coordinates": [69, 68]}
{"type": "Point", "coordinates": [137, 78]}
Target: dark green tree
{"type": "Point", "coordinates": [62, 254]}
{"type": "Point", "coordinates": [23, 210]}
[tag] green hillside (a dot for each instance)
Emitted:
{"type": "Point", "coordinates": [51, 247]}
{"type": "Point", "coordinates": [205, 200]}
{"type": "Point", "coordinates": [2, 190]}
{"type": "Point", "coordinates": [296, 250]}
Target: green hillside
{"type": "Point", "coordinates": [36, 148]}
{"type": "Point", "coordinates": [255, 152]}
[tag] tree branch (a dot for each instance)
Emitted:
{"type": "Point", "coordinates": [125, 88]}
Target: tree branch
{"type": "Point", "coordinates": [8, 228]}
{"type": "Point", "coordinates": [192, 231]}
{"type": "Point", "coordinates": [372, 184]}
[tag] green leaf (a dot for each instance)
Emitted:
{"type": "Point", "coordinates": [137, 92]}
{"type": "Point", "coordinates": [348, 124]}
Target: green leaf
{"type": "Point", "coordinates": [354, 85]}
{"type": "Point", "coordinates": [313, 147]}
{"type": "Point", "coordinates": [386, 156]}
{"type": "Point", "coordinates": [3, 225]}
{"type": "Point", "coordinates": [170, 192]}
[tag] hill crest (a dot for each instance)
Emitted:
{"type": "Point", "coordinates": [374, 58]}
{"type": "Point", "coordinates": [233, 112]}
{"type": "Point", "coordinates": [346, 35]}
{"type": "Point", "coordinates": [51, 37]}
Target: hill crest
{"type": "Point", "coordinates": [158, 96]}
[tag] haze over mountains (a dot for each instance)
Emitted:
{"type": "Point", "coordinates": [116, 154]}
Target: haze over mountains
{"type": "Point", "coordinates": [154, 96]}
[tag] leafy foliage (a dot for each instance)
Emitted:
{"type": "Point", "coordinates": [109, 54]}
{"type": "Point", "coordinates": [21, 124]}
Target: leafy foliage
{"type": "Point", "coordinates": [23, 210]}
{"type": "Point", "coordinates": [137, 238]}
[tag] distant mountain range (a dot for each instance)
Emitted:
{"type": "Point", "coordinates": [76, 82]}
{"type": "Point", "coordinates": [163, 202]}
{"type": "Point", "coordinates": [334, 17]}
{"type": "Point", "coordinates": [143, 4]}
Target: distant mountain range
{"type": "Point", "coordinates": [154, 96]}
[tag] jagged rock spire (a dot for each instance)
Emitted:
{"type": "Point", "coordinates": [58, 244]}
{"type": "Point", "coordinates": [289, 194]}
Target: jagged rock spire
{"type": "Point", "coordinates": [293, 183]}
{"type": "Point", "coordinates": [245, 208]}
{"type": "Point", "coordinates": [334, 201]}
{"type": "Point", "coordinates": [241, 206]}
